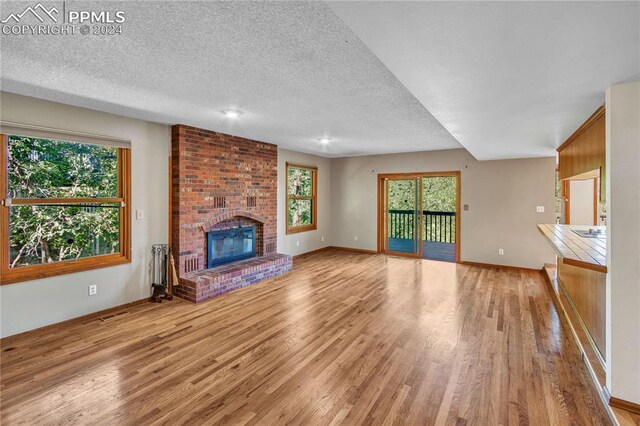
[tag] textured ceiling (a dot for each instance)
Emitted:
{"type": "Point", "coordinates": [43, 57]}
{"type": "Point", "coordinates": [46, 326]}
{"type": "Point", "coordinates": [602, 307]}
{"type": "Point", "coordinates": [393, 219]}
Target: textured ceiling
{"type": "Point", "coordinates": [507, 79]}
{"type": "Point", "coordinates": [296, 71]}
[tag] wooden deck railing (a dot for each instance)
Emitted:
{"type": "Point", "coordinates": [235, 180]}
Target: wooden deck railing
{"type": "Point", "coordinates": [436, 226]}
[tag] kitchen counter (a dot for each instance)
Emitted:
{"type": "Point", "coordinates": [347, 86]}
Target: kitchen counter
{"type": "Point", "coordinates": [582, 274]}
{"type": "Point", "coordinates": [584, 252]}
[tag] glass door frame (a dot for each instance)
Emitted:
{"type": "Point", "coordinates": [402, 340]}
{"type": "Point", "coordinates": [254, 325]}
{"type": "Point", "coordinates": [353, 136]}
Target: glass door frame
{"type": "Point", "coordinates": [417, 217]}
{"type": "Point", "coordinates": [382, 210]}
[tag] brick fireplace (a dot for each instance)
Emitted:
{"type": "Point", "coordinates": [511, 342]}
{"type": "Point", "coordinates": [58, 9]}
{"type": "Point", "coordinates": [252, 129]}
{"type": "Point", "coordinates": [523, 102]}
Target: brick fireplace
{"type": "Point", "coordinates": [220, 182]}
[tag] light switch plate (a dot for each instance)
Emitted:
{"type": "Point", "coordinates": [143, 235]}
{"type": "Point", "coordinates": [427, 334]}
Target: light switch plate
{"type": "Point", "coordinates": [139, 214]}
{"type": "Point", "coordinates": [540, 209]}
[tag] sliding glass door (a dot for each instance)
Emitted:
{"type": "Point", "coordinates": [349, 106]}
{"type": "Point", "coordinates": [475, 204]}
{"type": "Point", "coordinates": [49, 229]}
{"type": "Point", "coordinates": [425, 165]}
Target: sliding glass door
{"type": "Point", "coordinates": [419, 215]}
{"type": "Point", "coordinates": [402, 205]}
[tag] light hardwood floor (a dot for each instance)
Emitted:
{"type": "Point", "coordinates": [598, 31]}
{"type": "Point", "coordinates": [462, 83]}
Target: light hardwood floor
{"type": "Point", "coordinates": [346, 338]}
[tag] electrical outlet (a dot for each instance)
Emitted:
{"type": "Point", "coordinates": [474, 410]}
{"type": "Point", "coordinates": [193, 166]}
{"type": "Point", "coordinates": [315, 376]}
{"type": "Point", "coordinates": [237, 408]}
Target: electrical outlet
{"type": "Point", "coordinates": [322, 238]}
{"type": "Point", "coordinates": [298, 243]}
{"type": "Point", "coordinates": [355, 238]}
{"type": "Point", "coordinates": [93, 289]}
{"type": "Point", "coordinates": [501, 252]}
{"type": "Point", "coordinates": [139, 214]}
{"type": "Point", "coordinates": [540, 209]}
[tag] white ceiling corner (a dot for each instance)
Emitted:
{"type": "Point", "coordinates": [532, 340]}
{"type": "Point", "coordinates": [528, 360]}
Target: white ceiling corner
{"type": "Point", "coordinates": [507, 79]}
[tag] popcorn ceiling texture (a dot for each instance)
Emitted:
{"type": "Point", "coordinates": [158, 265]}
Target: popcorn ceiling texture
{"type": "Point", "coordinates": [506, 79]}
{"type": "Point", "coordinates": [294, 68]}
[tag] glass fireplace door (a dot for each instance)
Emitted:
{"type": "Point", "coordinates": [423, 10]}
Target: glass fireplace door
{"type": "Point", "coordinates": [230, 245]}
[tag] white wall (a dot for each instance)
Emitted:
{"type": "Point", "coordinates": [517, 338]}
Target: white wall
{"type": "Point", "coordinates": [623, 241]}
{"type": "Point", "coordinates": [33, 304]}
{"type": "Point", "coordinates": [581, 200]}
{"type": "Point", "coordinates": [502, 197]}
{"type": "Point", "coordinates": [309, 240]}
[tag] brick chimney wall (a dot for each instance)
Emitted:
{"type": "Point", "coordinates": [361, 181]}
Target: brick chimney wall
{"type": "Point", "coordinates": [215, 178]}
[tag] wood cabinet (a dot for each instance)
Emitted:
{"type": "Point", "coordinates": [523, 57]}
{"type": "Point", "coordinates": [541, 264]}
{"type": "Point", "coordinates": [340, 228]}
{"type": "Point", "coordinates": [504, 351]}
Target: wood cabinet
{"type": "Point", "coordinates": [587, 290]}
{"type": "Point", "coordinates": [584, 151]}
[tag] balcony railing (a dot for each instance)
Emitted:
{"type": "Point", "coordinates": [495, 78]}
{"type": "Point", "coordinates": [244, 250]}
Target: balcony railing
{"type": "Point", "coordinates": [436, 226]}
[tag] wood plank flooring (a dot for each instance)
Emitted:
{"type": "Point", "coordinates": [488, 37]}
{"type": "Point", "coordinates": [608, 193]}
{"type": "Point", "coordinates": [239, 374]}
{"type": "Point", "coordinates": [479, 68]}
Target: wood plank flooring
{"type": "Point", "coordinates": [346, 338]}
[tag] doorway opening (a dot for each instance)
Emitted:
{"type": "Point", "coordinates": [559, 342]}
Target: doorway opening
{"type": "Point", "coordinates": [579, 200]}
{"type": "Point", "coordinates": [419, 215]}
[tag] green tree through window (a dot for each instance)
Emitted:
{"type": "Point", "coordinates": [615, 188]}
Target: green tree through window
{"type": "Point", "coordinates": [64, 201]}
{"type": "Point", "coordinates": [301, 198]}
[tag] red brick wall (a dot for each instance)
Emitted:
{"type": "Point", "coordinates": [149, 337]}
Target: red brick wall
{"type": "Point", "coordinates": [207, 166]}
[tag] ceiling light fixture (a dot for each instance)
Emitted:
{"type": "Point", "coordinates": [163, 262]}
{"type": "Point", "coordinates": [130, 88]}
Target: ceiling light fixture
{"type": "Point", "coordinates": [324, 140]}
{"type": "Point", "coordinates": [232, 113]}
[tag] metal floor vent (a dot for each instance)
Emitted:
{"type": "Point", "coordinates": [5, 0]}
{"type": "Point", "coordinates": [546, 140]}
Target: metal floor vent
{"type": "Point", "coordinates": [113, 315]}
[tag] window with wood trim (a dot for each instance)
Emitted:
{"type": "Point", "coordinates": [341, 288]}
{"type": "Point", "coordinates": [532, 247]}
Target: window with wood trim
{"type": "Point", "coordinates": [302, 199]}
{"type": "Point", "coordinates": [64, 207]}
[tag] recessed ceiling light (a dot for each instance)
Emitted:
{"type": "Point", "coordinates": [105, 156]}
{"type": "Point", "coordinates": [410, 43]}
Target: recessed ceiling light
{"type": "Point", "coordinates": [232, 113]}
{"type": "Point", "coordinates": [324, 140]}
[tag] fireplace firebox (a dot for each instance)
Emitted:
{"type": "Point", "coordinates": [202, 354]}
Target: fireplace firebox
{"type": "Point", "coordinates": [230, 245]}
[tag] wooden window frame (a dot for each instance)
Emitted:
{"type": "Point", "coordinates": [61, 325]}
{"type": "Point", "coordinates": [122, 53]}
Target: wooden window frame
{"type": "Point", "coordinates": [32, 272]}
{"type": "Point", "coordinates": [381, 208]}
{"type": "Point", "coordinates": [313, 198]}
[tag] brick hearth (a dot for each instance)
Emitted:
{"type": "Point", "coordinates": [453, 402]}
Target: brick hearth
{"type": "Point", "coordinates": [222, 181]}
{"type": "Point", "coordinates": [209, 283]}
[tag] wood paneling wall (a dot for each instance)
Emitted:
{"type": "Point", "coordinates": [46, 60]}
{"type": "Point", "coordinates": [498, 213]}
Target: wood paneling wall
{"type": "Point", "coordinates": [587, 290]}
{"type": "Point", "coordinates": [584, 151]}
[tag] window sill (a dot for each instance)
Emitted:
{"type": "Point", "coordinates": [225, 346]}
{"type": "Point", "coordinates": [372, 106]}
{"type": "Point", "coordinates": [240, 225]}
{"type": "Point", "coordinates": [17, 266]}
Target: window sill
{"type": "Point", "coordinates": [301, 229]}
{"type": "Point", "coordinates": [36, 272]}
